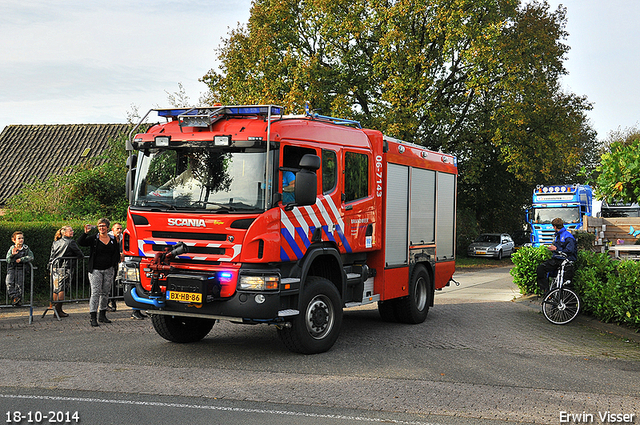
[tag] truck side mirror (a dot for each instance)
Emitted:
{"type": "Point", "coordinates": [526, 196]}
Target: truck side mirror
{"type": "Point", "coordinates": [306, 188]}
{"type": "Point", "coordinates": [132, 162]}
{"type": "Point", "coordinates": [310, 162]}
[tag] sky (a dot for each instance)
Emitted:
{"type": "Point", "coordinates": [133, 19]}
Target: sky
{"type": "Point", "coordinates": [87, 61]}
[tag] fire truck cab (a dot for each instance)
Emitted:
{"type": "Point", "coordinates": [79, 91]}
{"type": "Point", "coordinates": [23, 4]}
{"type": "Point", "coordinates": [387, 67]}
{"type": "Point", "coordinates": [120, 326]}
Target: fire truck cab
{"type": "Point", "coordinates": [244, 214]}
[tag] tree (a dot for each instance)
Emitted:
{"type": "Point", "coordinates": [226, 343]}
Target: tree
{"type": "Point", "coordinates": [177, 99]}
{"type": "Point", "coordinates": [476, 78]}
{"type": "Point", "coordinates": [619, 170]}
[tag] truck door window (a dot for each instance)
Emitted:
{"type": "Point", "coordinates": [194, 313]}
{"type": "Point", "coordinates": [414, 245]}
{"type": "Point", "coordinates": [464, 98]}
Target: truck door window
{"type": "Point", "coordinates": [329, 176]}
{"type": "Point", "coordinates": [291, 156]}
{"type": "Point", "coordinates": [356, 176]}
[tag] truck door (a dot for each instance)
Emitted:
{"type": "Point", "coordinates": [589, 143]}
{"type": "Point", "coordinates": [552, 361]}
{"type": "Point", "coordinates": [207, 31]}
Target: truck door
{"type": "Point", "coordinates": [357, 201]}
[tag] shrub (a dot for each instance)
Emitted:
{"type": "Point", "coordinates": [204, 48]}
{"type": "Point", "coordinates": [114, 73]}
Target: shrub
{"type": "Point", "coordinates": [626, 293]}
{"type": "Point", "coordinates": [609, 289]}
{"type": "Point", "coordinates": [39, 237]}
{"type": "Point", "coordinates": [526, 262]}
{"type": "Point", "coordinates": [593, 283]}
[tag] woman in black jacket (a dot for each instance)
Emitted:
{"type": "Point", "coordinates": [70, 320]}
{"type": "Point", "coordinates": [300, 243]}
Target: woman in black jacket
{"type": "Point", "coordinates": [103, 259]}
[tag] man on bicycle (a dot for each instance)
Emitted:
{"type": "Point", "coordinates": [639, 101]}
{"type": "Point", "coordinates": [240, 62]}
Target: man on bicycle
{"type": "Point", "coordinates": [564, 247]}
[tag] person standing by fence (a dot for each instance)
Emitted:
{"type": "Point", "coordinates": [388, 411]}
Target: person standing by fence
{"type": "Point", "coordinates": [62, 265]}
{"type": "Point", "coordinates": [103, 259]}
{"type": "Point", "coordinates": [18, 255]}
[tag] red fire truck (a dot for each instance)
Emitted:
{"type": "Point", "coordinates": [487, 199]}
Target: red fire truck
{"type": "Point", "coordinates": [245, 214]}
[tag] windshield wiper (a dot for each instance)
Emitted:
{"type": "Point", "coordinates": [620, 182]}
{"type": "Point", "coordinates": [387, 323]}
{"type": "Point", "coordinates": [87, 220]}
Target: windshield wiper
{"type": "Point", "coordinates": [245, 207]}
{"type": "Point", "coordinates": [164, 204]}
{"type": "Point", "coordinates": [223, 207]}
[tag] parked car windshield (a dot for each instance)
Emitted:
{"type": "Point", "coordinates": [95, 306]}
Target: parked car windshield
{"type": "Point", "coordinates": [488, 238]}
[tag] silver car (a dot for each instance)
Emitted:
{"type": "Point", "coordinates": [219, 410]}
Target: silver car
{"type": "Point", "coordinates": [496, 245]}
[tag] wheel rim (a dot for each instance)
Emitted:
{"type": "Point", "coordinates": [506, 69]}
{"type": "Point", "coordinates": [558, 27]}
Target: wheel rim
{"type": "Point", "coordinates": [319, 317]}
{"type": "Point", "coordinates": [561, 309]}
{"type": "Point", "coordinates": [420, 296]}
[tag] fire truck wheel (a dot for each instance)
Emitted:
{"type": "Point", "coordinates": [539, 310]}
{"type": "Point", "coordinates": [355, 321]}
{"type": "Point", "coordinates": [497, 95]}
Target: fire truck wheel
{"type": "Point", "coordinates": [317, 327]}
{"type": "Point", "coordinates": [181, 329]}
{"type": "Point", "coordinates": [414, 308]}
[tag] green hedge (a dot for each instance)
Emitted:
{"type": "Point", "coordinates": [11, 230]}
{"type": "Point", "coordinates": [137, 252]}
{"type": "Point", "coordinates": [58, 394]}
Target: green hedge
{"type": "Point", "coordinates": [39, 237]}
{"type": "Point", "coordinates": [608, 288]}
{"type": "Point", "coordinates": [526, 260]}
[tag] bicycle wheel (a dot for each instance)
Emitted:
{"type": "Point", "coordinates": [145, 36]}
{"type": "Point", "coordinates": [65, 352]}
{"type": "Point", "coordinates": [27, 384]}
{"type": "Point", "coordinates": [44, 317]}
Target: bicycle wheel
{"type": "Point", "coordinates": [561, 306]}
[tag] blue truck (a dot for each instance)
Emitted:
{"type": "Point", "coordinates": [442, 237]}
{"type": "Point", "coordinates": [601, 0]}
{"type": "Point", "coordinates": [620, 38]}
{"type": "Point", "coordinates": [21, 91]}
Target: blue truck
{"type": "Point", "coordinates": [569, 202]}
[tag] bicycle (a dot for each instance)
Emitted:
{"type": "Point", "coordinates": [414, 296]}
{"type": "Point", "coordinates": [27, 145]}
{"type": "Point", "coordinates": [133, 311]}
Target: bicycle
{"type": "Point", "coordinates": [561, 305]}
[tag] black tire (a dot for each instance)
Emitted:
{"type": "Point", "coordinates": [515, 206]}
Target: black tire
{"type": "Point", "coordinates": [181, 329]}
{"type": "Point", "coordinates": [387, 310]}
{"type": "Point", "coordinates": [317, 327]}
{"type": "Point", "coordinates": [561, 306]}
{"type": "Point", "coordinates": [499, 255]}
{"type": "Point", "coordinates": [414, 308]}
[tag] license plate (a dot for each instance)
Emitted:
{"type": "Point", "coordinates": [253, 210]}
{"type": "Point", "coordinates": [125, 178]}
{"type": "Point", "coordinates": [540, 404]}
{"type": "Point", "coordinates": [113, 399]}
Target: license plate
{"type": "Point", "coordinates": [481, 252]}
{"type": "Point", "coordinates": [184, 297]}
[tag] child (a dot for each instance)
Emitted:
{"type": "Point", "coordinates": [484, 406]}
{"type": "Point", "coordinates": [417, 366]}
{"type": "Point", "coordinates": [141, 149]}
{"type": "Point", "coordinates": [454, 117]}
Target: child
{"type": "Point", "coordinates": [17, 256]}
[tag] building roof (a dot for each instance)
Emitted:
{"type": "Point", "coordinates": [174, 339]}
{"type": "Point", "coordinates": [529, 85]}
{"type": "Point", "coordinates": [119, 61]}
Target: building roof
{"type": "Point", "coordinates": [34, 152]}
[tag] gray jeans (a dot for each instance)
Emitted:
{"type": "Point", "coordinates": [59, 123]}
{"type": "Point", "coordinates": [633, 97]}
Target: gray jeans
{"type": "Point", "coordinates": [15, 282]}
{"type": "Point", "coordinates": [100, 281]}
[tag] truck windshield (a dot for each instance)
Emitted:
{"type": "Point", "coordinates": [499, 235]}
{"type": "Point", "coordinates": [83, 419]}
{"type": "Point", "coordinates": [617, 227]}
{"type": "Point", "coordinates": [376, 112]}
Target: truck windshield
{"type": "Point", "coordinates": [546, 215]}
{"type": "Point", "coordinates": [197, 178]}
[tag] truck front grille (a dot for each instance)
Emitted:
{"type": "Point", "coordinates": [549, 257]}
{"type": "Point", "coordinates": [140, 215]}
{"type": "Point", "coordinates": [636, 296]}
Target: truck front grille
{"type": "Point", "coordinates": [158, 234]}
{"type": "Point", "coordinates": [192, 249]}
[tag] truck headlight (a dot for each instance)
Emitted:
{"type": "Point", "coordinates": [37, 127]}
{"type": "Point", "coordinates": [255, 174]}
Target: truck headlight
{"type": "Point", "coordinates": [129, 272]}
{"type": "Point", "coordinates": [258, 283]}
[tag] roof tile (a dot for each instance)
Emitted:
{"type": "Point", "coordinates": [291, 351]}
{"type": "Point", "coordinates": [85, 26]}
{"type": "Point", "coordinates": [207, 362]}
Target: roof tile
{"type": "Point", "coordinates": [34, 152]}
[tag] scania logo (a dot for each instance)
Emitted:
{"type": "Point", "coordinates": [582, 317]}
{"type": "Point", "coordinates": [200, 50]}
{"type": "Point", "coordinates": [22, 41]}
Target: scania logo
{"type": "Point", "coordinates": [190, 222]}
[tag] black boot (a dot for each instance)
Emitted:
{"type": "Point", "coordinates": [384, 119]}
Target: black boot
{"type": "Point", "coordinates": [59, 310]}
{"type": "Point", "coordinates": [94, 318]}
{"type": "Point", "coordinates": [103, 317]}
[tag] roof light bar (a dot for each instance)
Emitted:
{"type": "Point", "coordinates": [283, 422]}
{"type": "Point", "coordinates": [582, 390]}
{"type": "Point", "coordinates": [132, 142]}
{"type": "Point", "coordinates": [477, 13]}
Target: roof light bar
{"type": "Point", "coordinates": [253, 110]}
{"type": "Point", "coordinates": [340, 121]}
{"type": "Point", "coordinates": [174, 113]}
{"type": "Point", "coordinates": [220, 110]}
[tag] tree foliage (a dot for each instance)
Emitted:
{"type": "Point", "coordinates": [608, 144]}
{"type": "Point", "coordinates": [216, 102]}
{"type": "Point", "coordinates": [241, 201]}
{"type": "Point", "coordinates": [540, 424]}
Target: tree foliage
{"type": "Point", "coordinates": [619, 170]}
{"type": "Point", "coordinates": [476, 78]}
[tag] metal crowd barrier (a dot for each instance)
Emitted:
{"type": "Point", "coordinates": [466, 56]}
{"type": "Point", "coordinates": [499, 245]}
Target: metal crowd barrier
{"type": "Point", "coordinates": [27, 292]}
{"type": "Point", "coordinates": [73, 272]}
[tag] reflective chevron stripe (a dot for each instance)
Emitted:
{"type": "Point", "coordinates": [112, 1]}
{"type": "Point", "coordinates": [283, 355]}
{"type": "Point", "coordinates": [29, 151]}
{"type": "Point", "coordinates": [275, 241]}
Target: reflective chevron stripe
{"type": "Point", "coordinates": [299, 224]}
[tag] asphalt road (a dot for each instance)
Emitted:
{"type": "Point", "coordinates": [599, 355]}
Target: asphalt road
{"type": "Point", "coordinates": [480, 358]}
